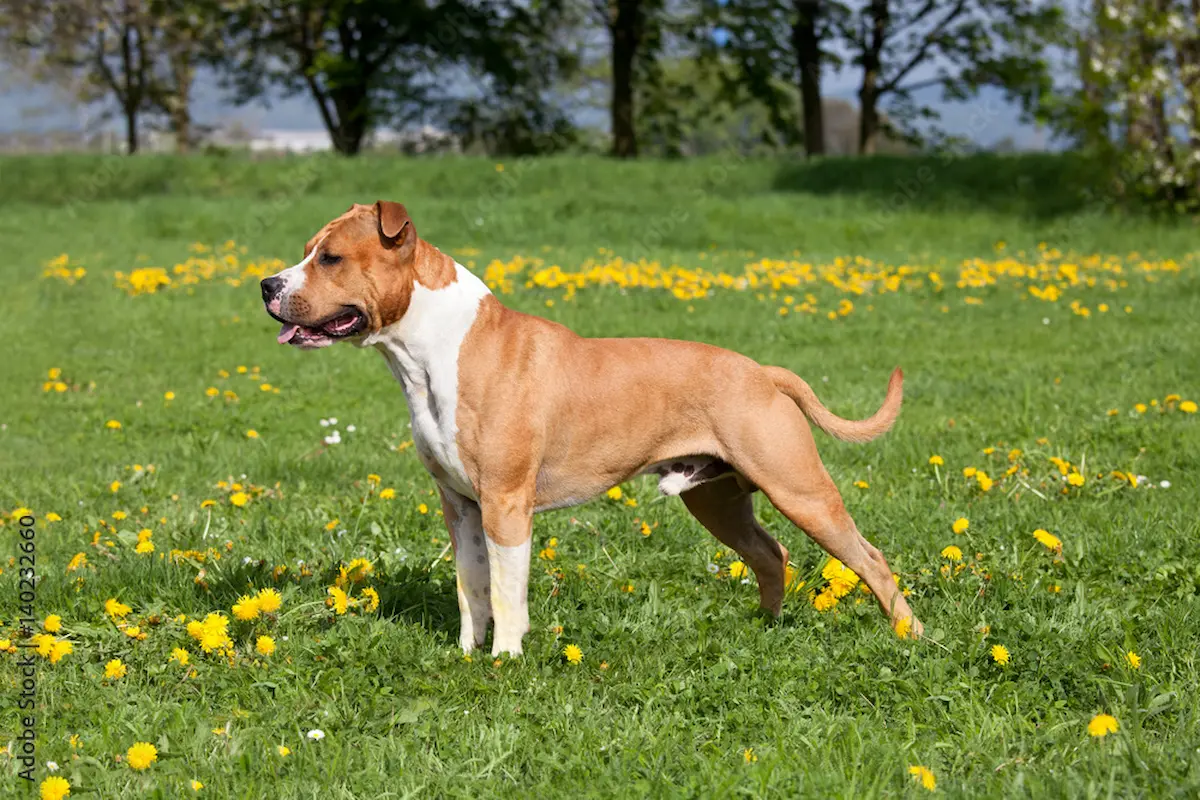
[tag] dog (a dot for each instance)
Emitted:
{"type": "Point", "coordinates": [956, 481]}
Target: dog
{"type": "Point", "coordinates": [513, 414]}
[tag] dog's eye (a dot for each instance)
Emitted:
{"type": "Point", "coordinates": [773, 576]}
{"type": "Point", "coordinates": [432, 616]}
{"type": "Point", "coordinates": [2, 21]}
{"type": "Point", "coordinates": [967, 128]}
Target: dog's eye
{"type": "Point", "coordinates": [328, 259]}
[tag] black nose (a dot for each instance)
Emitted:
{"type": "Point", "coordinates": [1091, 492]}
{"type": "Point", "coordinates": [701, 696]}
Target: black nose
{"type": "Point", "coordinates": [270, 288]}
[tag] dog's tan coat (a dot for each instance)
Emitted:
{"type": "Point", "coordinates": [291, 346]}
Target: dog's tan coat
{"type": "Point", "coordinates": [546, 418]}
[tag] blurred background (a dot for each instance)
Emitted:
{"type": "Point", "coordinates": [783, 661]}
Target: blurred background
{"type": "Point", "coordinates": [1118, 82]}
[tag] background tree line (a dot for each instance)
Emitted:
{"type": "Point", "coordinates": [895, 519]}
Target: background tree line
{"type": "Point", "coordinates": [1119, 78]}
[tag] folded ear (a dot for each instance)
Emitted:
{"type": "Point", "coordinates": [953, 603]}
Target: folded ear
{"type": "Point", "coordinates": [394, 221]}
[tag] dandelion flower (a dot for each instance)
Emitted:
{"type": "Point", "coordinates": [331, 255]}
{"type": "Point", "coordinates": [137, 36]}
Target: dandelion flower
{"type": "Point", "coordinates": [52, 623]}
{"type": "Point", "coordinates": [337, 600]}
{"type": "Point", "coordinates": [736, 569]}
{"type": "Point", "coordinates": [924, 776]}
{"type": "Point", "coordinates": [614, 493]}
{"type": "Point", "coordinates": [144, 548]}
{"type": "Point", "coordinates": [196, 785]}
{"type": "Point", "coordinates": [283, 750]}
{"type": "Point", "coordinates": [251, 434]}
{"type": "Point", "coordinates": [265, 645]}
{"type": "Point", "coordinates": [1102, 725]}
{"type": "Point", "coordinates": [1075, 479]}
{"type": "Point", "coordinates": [113, 425]}
{"type": "Point", "coordinates": [115, 609]}
{"type": "Point", "coordinates": [1049, 540]}
{"type": "Point", "coordinates": [952, 553]}
{"type": "Point", "coordinates": [239, 499]}
{"type": "Point", "coordinates": [573, 654]}
{"type": "Point", "coordinates": [904, 627]}
{"type": "Point", "coordinates": [269, 601]}
{"type": "Point", "coordinates": [246, 608]}
{"type": "Point", "coordinates": [748, 755]}
{"type": "Point", "coordinates": [54, 788]}
{"type": "Point", "coordinates": [422, 509]}
{"type": "Point", "coordinates": [937, 461]}
{"type": "Point", "coordinates": [1188, 407]}
{"type": "Point", "coordinates": [960, 525]}
{"type": "Point", "coordinates": [115, 670]}
{"type": "Point", "coordinates": [1000, 655]}
{"type": "Point", "coordinates": [969, 472]}
{"type": "Point", "coordinates": [333, 523]}
{"type": "Point", "coordinates": [141, 755]}
{"type": "Point", "coordinates": [370, 600]}
{"type": "Point", "coordinates": [180, 655]}
{"type": "Point", "coordinates": [1133, 659]}
{"type": "Point", "coordinates": [387, 494]}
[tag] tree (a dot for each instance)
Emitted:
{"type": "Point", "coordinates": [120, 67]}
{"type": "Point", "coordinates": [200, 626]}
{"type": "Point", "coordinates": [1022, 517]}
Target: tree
{"type": "Point", "coordinates": [1135, 104]}
{"type": "Point", "coordinates": [902, 46]}
{"type": "Point", "coordinates": [137, 53]}
{"type": "Point", "coordinates": [777, 46]}
{"type": "Point", "coordinates": [366, 63]}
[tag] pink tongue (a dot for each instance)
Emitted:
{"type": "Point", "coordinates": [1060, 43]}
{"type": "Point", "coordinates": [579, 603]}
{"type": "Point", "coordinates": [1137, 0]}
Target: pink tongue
{"type": "Point", "coordinates": [287, 332]}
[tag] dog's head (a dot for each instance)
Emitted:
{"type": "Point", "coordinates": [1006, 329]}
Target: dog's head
{"type": "Point", "coordinates": [357, 277]}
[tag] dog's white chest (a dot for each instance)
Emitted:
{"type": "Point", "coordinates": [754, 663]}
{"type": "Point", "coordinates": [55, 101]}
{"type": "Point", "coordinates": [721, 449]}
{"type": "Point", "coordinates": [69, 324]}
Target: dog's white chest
{"type": "Point", "coordinates": [422, 351]}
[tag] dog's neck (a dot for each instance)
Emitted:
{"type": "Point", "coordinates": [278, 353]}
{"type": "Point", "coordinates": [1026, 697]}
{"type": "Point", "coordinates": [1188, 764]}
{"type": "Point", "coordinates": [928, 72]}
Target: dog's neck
{"type": "Point", "coordinates": [422, 347]}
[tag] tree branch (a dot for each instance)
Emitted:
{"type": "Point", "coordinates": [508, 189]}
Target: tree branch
{"type": "Point", "coordinates": [923, 50]}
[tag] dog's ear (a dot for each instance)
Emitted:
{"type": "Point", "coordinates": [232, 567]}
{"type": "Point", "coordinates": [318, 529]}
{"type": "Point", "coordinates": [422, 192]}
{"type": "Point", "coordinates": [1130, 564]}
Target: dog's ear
{"type": "Point", "coordinates": [394, 222]}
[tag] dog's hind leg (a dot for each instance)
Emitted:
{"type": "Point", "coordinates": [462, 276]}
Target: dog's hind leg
{"type": "Point", "coordinates": [726, 509]}
{"type": "Point", "coordinates": [776, 452]}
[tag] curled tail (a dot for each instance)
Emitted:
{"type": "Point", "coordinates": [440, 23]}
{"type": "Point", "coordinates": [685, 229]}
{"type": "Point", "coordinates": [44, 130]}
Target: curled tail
{"type": "Point", "coordinates": [849, 430]}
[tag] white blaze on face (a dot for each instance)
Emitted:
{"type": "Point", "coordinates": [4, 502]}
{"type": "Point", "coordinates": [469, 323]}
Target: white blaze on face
{"type": "Point", "coordinates": [294, 276]}
{"type": "Point", "coordinates": [509, 567]}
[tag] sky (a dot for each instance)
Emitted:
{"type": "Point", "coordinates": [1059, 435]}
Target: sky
{"type": "Point", "coordinates": [984, 120]}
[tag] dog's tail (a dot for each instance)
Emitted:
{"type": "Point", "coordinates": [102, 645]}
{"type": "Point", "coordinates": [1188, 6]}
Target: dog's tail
{"type": "Point", "coordinates": [848, 430]}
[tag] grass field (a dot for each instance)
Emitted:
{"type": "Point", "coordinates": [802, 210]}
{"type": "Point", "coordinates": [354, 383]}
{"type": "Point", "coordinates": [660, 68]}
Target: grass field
{"type": "Point", "coordinates": [1054, 358]}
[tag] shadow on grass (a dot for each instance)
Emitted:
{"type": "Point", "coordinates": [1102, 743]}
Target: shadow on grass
{"type": "Point", "coordinates": [1032, 185]}
{"type": "Point", "coordinates": [420, 596]}
{"type": "Point", "coordinates": [409, 594]}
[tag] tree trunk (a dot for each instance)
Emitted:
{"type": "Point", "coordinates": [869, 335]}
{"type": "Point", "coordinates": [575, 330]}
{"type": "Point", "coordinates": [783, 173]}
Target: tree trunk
{"type": "Point", "coordinates": [868, 93]}
{"type": "Point", "coordinates": [625, 30]}
{"type": "Point", "coordinates": [807, 46]}
{"type": "Point", "coordinates": [181, 112]}
{"type": "Point", "coordinates": [352, 123]}
{"type": "Point", "coordinates": [131, 129]}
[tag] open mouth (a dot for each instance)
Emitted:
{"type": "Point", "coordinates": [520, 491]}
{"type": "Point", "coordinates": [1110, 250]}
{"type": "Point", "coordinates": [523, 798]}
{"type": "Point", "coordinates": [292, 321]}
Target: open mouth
{"type": "Point", "coordinates": [346, 323]}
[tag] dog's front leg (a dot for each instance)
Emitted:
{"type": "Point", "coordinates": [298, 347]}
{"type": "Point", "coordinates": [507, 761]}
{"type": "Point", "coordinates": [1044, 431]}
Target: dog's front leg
{"type": "Point", "coordinates": [508, 523]}
{"type": "Point", "coordinates": [465, 523]}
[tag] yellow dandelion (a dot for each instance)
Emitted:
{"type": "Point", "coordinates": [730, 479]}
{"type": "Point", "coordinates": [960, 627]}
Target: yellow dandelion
{"type": "Point", "coordinates": [283, 750]}
{"type": "Point", "coordinates": [573, 654]}
{"type": "Point", "coordinates": [265, 645]}
{"type": "Point", "coordinates": [52, 623]}
{"type": "Point", "coordinates": [423, 509]}
{"type": "Point", "coordinates": [168, 395]}
{"type": "Point", "coordinates": [1000, 655]}
{"type": "Point", "coordinates": [960, 525]}
{"type": "Point", "coordinates": [141, 755]}
{"type": "Point", "coordinates": [1102, 725]}
{"type": "Point", "coordinates": [239, 499]}
{"type": "Point", "coordinates": [144, 548]}
{"type": "Point", "coordinates": [904, 627]}
{"type": "Point", "coordinates": [252, 434]}
{"type": "Point", "coordinates": [370, 600]}
{"type": "Point", "coordinates": [1133, 659]}
{"type": "Point", "coordinates": [373, 479]}
{"type": "Point", "coordinates": [246, 608]}
{"type": "Point", "coordinates": [936, 461]}
{"type": "Point", "coordinates": [614, 493]}
{"type": "Point", "coordinates": [115, 669]}
{"type": "Point", "coordinates": [180, 655]}
{"type": "Point", "coordinates": [1075, 479]}
{"type": "Point", "coordinates": [748, 755]}
{"type": "Point", "coordinates": [113, 425]}
{"type": "Point", "coordinates": [387, 494]}
{"type": "Point", "coordinates": [115, 608]}
{"type": "Point", "coordinates": [337, 600]}
{"type": "Point", "coordinates": [54, 788]}
{"type": "Point", "coordinates": [196, 785]}
{"type": "Point", "coordinates": [1048, 540]}
{"type": "Point", "coordinates": [269, 601]}
{"type": "Point", "coordinates": [333, 523]}
{"type": "Point", "coordinates": [1188, 407]}
{"type": "Point", "coordinates": [923, 776]}
{"type": "Point", "coordinates": [952, 553]}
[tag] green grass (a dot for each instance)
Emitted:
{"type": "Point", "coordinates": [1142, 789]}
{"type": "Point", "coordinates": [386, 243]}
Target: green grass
{"type": "Point", "coordinates": [832, 704]}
